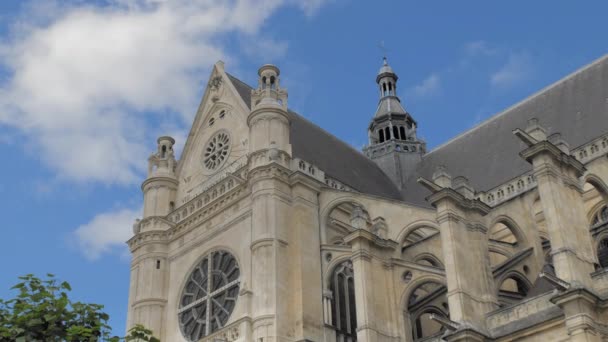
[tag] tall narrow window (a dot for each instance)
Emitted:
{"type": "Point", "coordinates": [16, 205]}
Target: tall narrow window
{"type": "Point", "coordinates": [395, 132]}
{"type": "Point", "coordinates": [602, 253]}
{"type": "Point", "coordinates": [402, 131]}
{"type": "Point", "coordinates": [163, 151]}
{"type": "Point", "coordinates": [381, 135]}
{"type": "Point", "coordinates": [343, 302]}
{"type": "Point", "coordinates": [272, 82]}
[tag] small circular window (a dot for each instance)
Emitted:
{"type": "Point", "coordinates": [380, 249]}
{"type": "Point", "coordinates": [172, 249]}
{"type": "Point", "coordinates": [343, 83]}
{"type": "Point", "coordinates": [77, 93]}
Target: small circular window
{"type": "Point", "coordinates": [209, 296]}
{"type": "Point", "coordinates": [216, 151]}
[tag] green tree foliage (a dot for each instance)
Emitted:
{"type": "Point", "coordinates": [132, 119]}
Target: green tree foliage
{"type": "Point", "coordinates": [140, 334]}
{"type": "Point", "coordinates": [42, 311]}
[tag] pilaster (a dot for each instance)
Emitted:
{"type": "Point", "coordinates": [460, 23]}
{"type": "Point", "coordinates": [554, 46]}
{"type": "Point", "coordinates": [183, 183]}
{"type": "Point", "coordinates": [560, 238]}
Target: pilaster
{"type": "Point", "coordinates": [470, 283]}
{"type": "Point", "coordinates": [365, 246]}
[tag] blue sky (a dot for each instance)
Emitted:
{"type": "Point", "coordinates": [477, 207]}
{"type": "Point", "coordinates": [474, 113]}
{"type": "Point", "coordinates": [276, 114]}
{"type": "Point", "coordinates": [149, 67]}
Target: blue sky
{"type": "Point", "coordinates": [87, 86]}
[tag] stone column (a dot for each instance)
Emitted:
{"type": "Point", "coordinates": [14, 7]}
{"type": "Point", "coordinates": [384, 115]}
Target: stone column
{"type": "Point", "coordinates": [307, 296]}
{"type": "Point", "coordinates": [470, 282]}
{"type": "Point", "coordinates": [360, 242]}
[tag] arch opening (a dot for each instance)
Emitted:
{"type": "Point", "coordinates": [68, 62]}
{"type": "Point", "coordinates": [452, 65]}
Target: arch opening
{"type": "Point", "coordinates": [513, 289]}
{"type": "Point", "coordinates": [427, 299]}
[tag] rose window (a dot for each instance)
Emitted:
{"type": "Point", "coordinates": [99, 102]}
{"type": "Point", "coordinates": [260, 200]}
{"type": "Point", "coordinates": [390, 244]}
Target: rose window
{"type": "Point", "coordinates": [209, 295]}
{"type": "Point", "coordinates": [216, 151]}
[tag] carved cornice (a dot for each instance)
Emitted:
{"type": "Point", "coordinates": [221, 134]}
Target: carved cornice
{"type": "Point", "coordinates": [268, 171]}
{"type": "Point", "coordinates": [152, 223]}
{"type": "Point", "coordinates": [546, 147]}
{"type": "Point", "coordinates": [146, 238]}
{"type": "Point", "coordinates": [158, 179]}
{"type": "Point", "coordinates": [231, 332]}
{"type": "Point", "coordinates": [206, 212]}
{"type": "Point", "coordinates": [440, 193]}
{"type": "Point", "coordinates": [577, 293]}
{"type": "Point", "coordinates": [371, 237]}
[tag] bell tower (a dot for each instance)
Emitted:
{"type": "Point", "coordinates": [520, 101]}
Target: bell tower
{"type": "Point", "coordinates": [393, 143]}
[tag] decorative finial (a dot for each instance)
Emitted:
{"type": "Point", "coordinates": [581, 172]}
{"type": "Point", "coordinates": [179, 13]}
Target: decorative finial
{"type": "Point", "coordinates": [383, 48]}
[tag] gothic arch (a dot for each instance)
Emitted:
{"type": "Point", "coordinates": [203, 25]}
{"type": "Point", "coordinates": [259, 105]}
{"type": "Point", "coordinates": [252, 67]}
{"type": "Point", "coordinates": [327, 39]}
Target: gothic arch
{"type": "Point", "coordinates": [598, 183]}
{"type": "Point", "coordinates": [415, 283]}
{"type": "Point", "coordinates": [430, 258]}
{"type": "Point", "coordinates": [407, 230]}
{"type": "Point", "coordinates": [595, 210]}
{"type": "Point", "coordinates": [413, 310]}
{"type": "Point", "coordinates": [520, 236]}
{"type": "Point", "coordinates": [331, 206]}
{"type": "Point", "coordinates": [512, 293]}
{"type": "Point", "coordinates": [331, 267]}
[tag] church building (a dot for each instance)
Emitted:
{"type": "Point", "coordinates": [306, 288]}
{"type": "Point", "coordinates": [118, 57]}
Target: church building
{"type": "Point", "coordinates": [269, 229]}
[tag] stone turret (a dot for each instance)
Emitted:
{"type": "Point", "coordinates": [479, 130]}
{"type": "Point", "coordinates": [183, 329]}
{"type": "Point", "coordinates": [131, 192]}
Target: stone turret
{"type": "Point", "coordinates": [393, 143]}
{"type": "Point", "coordinates": [160, 186]}
{"type": "Point", "coordinates": [269, 121]}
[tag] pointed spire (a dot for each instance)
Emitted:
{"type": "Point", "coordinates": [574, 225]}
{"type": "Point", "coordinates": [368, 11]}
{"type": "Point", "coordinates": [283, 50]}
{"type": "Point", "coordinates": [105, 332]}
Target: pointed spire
{"type": "Point", "coordinates": [387, 83]}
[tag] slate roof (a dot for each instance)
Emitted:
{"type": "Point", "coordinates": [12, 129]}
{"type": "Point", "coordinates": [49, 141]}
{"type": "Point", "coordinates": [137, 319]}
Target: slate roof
{"type": "Point", "coordinates": [336, 158]}
{"type": "Point", "coordinates": [488, 154]}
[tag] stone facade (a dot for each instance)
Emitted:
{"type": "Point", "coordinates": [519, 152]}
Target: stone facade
{"type": "Point", "coordinates": [269, 229]}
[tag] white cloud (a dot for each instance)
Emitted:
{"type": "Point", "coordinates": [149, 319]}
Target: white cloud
{"type": "Point", "coordinates": [106, 233]}
{"type": "Point", "coordinates": [429, 86]}
{"type": "Point", "coordinates": [480, 48]}
{"type": "Point", "coordinates": [85, 81]}
{"type": "Point", "coordinates": [517, 69]}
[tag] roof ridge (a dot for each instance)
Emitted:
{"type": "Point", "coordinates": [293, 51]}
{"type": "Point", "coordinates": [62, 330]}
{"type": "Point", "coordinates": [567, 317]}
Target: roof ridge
{"type": "Point", "coordinates": [538, 93]}
{"type": "Point", "coordinates": [237, 79]}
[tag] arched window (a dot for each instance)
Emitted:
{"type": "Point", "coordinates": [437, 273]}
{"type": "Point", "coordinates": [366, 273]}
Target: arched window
{"type": "Point", "coordinates": [381, 135]}
{"type": "Point", "coordinates": [383, 89]}
{"type": "Point", "coordinates": [163, 151]}
{"type": "Point", "coordinates": [387, 132]}
{"type": "Point", "coordinates": [600, 217]}
{"type": "Point", "coordinates": [426, 300]}
{"type": "Point", "coordinates": [264, 82]}
{"type": "Point", "coordinates": [602, 252]}
{"type": "Point", "coordinates": [402, 131]}
{"type": "Point", "coordinates": [343, 309]}
{"type": "Point", "coordinates": [272, 82]}
{"type": "Point", "coordinates": [395, 132]}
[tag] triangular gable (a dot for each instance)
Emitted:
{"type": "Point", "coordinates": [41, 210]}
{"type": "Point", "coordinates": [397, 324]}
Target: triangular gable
{"type": "Point", "coordinates": [221, 109]}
